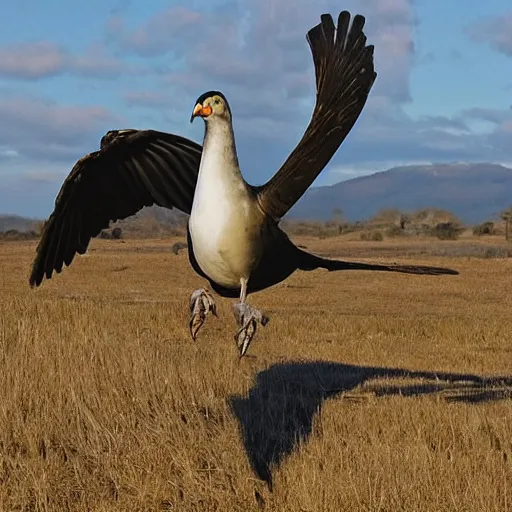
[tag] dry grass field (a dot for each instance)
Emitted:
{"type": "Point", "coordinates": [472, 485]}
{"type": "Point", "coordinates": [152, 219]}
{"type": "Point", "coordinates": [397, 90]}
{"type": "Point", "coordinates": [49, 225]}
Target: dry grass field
{"type": "Point", "coordinates": [365, 392]}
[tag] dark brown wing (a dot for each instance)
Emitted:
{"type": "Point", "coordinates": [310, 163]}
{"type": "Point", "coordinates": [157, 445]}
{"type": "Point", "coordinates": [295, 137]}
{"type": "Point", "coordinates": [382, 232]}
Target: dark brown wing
{"type": "Point", "coordinates": [344, 76]}
{"type": "Point", "coordinates": [132, 169]}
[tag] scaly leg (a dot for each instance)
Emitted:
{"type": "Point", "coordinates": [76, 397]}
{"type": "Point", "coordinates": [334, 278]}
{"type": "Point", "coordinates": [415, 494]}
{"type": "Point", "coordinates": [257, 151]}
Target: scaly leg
{"type": "Point", "coordinates": [247, 318]}
{"type": "Point", "coordinates": [201, 303]}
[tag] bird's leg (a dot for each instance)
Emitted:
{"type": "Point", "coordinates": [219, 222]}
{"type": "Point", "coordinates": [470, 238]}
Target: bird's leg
{"type": "Point", "coordinates": [247, 318]}
{"type": "Point", "coordinates": [201, 303]}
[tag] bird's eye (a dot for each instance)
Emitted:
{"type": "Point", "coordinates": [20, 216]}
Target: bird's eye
{"type": "Point", "coordinates": [216, 102]}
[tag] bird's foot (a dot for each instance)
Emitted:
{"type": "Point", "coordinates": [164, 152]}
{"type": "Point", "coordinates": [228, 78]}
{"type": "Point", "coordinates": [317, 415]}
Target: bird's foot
{"type": "Point", "coordinates": [247, 319]}
{"type": "Point", "coordinates": [201, 303]}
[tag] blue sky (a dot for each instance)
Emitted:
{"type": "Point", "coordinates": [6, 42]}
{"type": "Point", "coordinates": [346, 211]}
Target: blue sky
{"type": "Point", "coordinates": [71, 71]}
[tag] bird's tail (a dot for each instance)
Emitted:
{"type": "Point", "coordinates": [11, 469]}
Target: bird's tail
{"type": "Point", "coordinates": [310, 261]}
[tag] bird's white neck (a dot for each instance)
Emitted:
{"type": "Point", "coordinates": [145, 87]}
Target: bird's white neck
{"type": "Point", "coordinates": [219, 172]}
{"type": "Point", "coordinates": [219, 149]}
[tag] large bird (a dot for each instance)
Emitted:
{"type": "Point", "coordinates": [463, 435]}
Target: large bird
{"type": "Point", "coordinates": [234, 240]}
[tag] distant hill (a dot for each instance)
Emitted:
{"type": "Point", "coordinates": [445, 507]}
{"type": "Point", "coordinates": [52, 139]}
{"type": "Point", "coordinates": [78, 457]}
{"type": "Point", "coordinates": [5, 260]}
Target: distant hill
{"type": "Point", "coordinates": [474, 192]}
{"type": "Point", "coordinates": [150, 221]}
{"type": "Point", "coordinates": [18, 223]}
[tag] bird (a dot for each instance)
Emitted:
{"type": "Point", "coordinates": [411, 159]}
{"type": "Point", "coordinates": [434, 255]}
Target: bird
{"type": "Point", "coordinates": [234, 240]}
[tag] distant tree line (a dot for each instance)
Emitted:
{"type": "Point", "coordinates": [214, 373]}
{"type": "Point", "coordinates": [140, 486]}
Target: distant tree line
{"type": "Point", "coordinates": [156, 222]}
{"type": "Point", "coordinates": [391, 222]}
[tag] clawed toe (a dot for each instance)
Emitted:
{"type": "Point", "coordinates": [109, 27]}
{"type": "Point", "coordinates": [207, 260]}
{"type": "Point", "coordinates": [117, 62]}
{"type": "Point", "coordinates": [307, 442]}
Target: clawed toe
{"type": "Point", "coordinates": [201, 303]}
{"type": "Point", "coordinates": [247, 318]}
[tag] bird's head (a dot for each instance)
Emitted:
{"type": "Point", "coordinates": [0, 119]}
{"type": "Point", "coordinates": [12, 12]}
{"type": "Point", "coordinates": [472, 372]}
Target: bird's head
{"type": "Point", "coordinates": [211, 105]}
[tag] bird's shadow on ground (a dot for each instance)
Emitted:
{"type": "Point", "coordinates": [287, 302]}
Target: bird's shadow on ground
{"type": "Point", "coordinates": [279, 409]}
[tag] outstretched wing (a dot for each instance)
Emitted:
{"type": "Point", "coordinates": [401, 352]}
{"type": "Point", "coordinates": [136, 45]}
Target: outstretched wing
{"type": "Point", "coordinates": [344, 76]}
{"type": "Point", "coordinates": [132, 169]}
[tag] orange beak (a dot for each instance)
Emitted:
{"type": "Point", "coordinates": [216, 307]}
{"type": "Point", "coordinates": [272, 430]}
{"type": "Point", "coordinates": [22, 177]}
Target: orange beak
{"type": "Point", "coordinates": [199, 110]}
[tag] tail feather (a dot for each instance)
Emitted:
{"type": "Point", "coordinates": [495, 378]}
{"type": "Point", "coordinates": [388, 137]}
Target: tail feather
{"type": "Point", "coordinates": [311, 262]}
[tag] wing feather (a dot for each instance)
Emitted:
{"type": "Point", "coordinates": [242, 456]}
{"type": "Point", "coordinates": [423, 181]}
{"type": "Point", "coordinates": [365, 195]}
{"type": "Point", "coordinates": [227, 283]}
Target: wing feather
{"type": "Point", "coordinates": [182, 193]}
{"type": "Point", "coordinates": [178, 181]}
{"type": "Point", "coordinates": [132, 169]}
{"type": "Point", "coordinates": [344, 73]}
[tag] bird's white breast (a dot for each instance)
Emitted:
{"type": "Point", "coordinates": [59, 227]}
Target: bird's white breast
{"type": "Point", "coordinates": [221, 222]}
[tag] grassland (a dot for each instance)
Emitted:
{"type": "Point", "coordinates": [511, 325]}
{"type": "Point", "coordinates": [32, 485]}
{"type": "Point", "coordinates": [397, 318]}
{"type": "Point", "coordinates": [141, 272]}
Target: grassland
{"type": "Point", "coordinates": [365, 392]}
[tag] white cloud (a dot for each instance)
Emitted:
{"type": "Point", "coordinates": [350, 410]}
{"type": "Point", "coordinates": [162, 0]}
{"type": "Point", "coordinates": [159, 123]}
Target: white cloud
{"type": "Point", "coordinates": [496, 31]}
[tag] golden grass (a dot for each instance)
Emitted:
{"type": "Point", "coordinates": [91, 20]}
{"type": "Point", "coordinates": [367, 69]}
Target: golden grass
{"type": "Point", "coordinates": [107, 404]}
